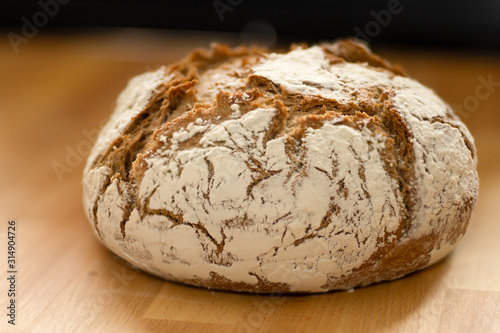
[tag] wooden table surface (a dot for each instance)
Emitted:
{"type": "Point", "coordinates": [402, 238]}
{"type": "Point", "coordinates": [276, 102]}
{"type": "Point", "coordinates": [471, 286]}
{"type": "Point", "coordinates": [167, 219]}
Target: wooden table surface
{"type": "Point", "coordinates": [55, 93]}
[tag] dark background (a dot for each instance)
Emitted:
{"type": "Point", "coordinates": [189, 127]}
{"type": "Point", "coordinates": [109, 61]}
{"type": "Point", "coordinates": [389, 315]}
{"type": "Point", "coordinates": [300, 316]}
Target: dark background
{"type": "Point", "coordinates": [457, 24]}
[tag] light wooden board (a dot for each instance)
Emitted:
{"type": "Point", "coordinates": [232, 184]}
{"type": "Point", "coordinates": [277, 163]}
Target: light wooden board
{"type": "Point", "coordinates": [54, 94]}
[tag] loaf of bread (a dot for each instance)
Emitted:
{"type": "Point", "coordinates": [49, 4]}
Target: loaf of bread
{"type": "Point", "coordinates": [322, 168]}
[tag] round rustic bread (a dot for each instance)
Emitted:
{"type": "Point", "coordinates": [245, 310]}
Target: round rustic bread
{"type": "Point", "coordinates": [321, 168]}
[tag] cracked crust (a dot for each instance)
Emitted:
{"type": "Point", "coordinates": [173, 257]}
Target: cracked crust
{"type": "Point", "coordinates": [323, 168]}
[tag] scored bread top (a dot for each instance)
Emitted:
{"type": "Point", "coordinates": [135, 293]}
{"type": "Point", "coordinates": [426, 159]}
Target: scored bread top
{"type": "Point", "coordinates": [321, 168]}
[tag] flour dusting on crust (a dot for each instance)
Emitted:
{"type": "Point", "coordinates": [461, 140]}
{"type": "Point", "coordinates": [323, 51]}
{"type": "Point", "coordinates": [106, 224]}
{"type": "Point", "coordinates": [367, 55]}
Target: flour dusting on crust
{"type": "Point", "coordinates": [298, 172]}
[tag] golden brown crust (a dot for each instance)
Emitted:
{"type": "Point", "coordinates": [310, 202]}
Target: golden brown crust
{"type": "Point", "coordinates": [353, 50]}
{"type": "Point", "coordinates": [178, 104]}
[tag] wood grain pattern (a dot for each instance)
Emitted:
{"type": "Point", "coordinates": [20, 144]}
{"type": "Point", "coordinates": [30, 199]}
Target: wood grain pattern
{"type": "Point", "coordinates": [54, 95]}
